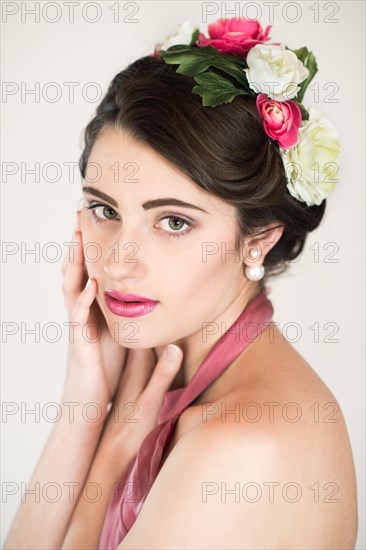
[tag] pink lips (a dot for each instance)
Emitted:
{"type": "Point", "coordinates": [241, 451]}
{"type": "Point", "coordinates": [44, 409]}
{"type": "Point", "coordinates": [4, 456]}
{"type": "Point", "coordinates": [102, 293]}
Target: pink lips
{"type": "Point", "coordinates": [128, 305]}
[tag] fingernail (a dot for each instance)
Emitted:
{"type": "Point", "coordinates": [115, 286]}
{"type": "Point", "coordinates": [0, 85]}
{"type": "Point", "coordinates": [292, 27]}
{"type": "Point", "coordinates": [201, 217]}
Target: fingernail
{"type": "Point", "coordinates": [87, 286]}
{"type": "Point", "coordinates": [172, 352]}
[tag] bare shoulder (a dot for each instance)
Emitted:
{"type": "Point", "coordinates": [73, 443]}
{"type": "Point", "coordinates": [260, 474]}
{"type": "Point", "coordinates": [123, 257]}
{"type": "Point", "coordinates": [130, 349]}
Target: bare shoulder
{"type": "Point", "coordinates": [263, 461]}
{"type": "Point", "coordinates": [290, 431]}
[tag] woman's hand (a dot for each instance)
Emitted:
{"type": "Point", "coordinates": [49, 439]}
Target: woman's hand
{"type": "Point", "coordinates": [139, 398]}
{"type": "Point", "coordinates": [95, 361]}
{"type": "Point", "coordinates": [133, 415]}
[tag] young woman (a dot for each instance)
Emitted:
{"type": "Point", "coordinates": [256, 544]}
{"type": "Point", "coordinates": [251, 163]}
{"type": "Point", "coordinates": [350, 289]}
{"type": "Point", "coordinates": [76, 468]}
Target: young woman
{"type": "Point", "coordinates": [192, 422]}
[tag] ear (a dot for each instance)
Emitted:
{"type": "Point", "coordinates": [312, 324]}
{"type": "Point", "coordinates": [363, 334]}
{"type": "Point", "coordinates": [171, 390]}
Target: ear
{"type": "Point", "coordinates": [256, 249]}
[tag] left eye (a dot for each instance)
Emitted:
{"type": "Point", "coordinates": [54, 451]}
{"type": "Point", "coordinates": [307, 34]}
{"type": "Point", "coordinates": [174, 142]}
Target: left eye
{"type": "Point", "coordinates": [173, 226]}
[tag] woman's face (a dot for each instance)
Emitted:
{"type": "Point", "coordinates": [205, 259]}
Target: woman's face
{"type": "Point", "coordinates": [180, 256]}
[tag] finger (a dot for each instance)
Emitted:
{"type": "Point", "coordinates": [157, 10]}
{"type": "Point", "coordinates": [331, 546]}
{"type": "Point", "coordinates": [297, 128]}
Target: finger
{"type": "Point", "coordinates": [74, 276]}
{"type": "Point", "coordinates": [86, 354]}
{"type": "Point", "coordinates": [66, 259]}
{"type": "Point", "coordinates": [81, 309]}
{"type": "Point", "coordinates": [78, 226]}
{"type": "Point", "coordinates": [137, 372]}
{"type": "Point", "coordinates": [166, 369]}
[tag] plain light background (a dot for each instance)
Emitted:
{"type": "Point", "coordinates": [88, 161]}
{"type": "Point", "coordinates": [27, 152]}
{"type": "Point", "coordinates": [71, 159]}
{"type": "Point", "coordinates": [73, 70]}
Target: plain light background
{"type": "Point", "coordinates": [324, 288]}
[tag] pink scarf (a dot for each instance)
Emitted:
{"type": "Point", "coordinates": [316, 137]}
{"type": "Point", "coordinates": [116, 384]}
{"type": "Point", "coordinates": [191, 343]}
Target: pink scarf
{"type": "Point", "coordinates": [134, 485]}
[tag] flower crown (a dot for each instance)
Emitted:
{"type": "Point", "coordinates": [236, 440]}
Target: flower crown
{"type": "Point", "coordinates": [277, 78]}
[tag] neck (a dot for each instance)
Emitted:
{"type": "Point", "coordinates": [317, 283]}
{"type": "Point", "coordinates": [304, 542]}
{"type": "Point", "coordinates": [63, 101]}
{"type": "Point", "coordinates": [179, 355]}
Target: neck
{"type": "Point", "coordinates": [195, 348]}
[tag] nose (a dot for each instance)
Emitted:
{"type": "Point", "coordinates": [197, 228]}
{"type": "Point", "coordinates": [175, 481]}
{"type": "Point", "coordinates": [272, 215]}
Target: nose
{"type": "Point", "coordinates": [123, 259]}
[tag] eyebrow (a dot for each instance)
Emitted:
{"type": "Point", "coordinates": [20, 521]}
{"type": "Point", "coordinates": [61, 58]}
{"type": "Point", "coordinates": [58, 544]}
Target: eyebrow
{"type": "Point", "coordinates": [148, 205]}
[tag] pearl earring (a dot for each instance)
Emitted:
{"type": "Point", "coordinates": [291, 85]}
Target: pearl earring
{"type": "Point", "coordinates": [254, 272]}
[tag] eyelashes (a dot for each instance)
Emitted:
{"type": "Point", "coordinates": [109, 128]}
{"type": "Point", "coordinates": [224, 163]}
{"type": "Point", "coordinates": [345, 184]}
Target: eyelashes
{"type": "Point", "coordinates": [96, 219]}
{"type": "Point", "coordinates": [92, 207]}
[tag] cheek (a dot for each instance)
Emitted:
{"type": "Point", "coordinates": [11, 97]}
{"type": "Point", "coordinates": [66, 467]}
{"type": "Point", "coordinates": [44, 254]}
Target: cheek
{"type": "Point", "coordinates": [204, 270]}
{"type": "Point", "coordinates": [197, 287]}
{"type": "Point", "coordinates": [95, 247]}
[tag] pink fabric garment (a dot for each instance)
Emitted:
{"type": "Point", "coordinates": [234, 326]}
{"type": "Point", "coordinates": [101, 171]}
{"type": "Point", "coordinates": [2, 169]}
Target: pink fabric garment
{"type": "Point", "coordinates": [134, 485]}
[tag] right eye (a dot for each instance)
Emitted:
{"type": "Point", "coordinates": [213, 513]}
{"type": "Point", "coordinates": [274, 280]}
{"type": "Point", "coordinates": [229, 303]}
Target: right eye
{"type": "Point", "coordinates": [107, 212]}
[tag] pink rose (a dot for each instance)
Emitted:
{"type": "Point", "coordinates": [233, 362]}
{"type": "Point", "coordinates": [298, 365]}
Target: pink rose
{"type": "Point", "coordinates": [281, 120]}
{"type": "Point", "coordinates": [234, 35]}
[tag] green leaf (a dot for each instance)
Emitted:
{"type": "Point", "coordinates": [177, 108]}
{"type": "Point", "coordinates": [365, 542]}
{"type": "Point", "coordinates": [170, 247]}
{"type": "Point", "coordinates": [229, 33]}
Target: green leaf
{"type": "Point", "coordinates": [215, 90]}
{"type": "Point", "coordinates": [310, 63]}
{"type": "Point", "coordinates": [301, 53]}
{"type": "Point", "coordinates": [195, 60]}
{"type": "Point", "coordinates": [194, 36]}
{"type": "Point", "coordinates": [304, 112]}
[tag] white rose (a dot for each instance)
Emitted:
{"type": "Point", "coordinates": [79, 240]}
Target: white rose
{"type": "Point", "coordinates": [275, 71]}
{"type": "Point", "coordinates": [182, 35]}
{"type": "Point", "coordinates": [312, 165]}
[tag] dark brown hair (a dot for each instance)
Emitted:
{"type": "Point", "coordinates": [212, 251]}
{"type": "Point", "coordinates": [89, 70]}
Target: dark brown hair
{"type": "Point", "coordinates": [223, 149]}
